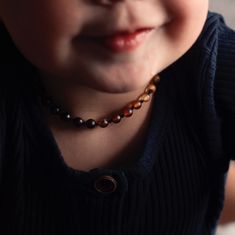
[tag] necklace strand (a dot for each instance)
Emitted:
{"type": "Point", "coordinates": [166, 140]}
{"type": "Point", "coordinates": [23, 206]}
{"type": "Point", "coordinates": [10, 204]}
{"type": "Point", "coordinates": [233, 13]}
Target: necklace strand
{"type": "Point", "coordinates": [126, 112]}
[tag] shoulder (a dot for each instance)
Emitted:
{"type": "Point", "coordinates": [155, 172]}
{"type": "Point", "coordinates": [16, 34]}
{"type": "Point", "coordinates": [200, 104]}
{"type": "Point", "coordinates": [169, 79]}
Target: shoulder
{"type": "Point", "coordinates": [212, 64]}
{"type": "Point", "coordinates": [15, 71]}
{"type": "Point", "coordinates": [226, 49]}
{"type": "Point", "coordinates": [224, 86]}
{"type": "Point", "coordinates": [225, 71]}
{"type": "Point", "coordinates": [225, 74]}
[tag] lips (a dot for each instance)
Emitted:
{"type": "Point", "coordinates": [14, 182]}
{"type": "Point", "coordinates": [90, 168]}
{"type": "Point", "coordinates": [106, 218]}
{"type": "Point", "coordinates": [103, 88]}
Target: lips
{"type": "Point", "coordinates": [121, 41]}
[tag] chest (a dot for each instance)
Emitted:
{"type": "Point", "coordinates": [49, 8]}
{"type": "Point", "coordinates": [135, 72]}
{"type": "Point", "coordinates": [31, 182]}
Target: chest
{"type": "Point", "coordinates": [100, 149]}
{"type": "Point", "coordinates": [177, 196]}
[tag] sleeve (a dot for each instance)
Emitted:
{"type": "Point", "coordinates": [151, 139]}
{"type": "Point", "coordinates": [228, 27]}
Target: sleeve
{"type": "Point", "coordinates": [225, 89]}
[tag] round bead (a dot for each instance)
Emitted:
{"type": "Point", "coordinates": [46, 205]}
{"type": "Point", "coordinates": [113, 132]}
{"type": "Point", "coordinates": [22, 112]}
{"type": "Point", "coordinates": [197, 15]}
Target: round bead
{"type": "Point", "coordinates": [90, 123]}
{"type": "Point", "coordinates": [131, 105]}
{"type": "Point", "coordinates": [136, 104]}
{"type": "Point", "coordinates": [150, 89]}
{"type": "Point", "coordinates": [156, 79]}
{"type": "Point", "coordinates": [127, 112]}
{"type": "Point", "coordinates": [121, 115]}
{"type": "Point", "coordinates": [117, 118]}
{"type": "Point", "coordinates": [144, 98]}
{"type": "Point", "coordinates": [78, 121]}
{"type": "Point", "coordinates": [103, 123]}
{"type": "Point", "coordinates": [48, 101]}
{"type": "Point", "coordinates": [55, 109]}
{"type": "Point", "coordinates": [65, 116]}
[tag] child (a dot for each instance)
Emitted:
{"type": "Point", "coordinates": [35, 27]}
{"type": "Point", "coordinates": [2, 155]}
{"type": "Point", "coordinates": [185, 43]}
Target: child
{"type": "Point", "coordinates": [116, 117]}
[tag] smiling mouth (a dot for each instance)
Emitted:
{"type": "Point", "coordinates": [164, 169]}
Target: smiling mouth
{"type": "Point", "coordinates": [120, 42]}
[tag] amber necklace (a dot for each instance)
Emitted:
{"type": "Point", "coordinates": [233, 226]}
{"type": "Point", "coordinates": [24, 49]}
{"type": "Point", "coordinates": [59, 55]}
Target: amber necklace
{"type": "Point", "coordinates": [125, 112]}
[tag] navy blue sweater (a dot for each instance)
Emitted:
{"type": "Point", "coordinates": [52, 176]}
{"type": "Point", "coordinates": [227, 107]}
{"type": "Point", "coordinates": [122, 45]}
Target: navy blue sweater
{"type": "Point", "coordinates": [176, 185]}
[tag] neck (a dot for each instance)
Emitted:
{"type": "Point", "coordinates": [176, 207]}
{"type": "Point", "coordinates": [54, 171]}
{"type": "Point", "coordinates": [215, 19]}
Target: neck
{"type": "Point", "coordinates": [87, 102]}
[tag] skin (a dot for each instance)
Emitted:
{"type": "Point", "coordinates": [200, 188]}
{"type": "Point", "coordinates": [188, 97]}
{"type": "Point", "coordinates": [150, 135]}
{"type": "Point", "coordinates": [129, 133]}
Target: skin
{"type": "Point", "coordinates": [228, 213]}
{"type": "Point", "coordinates": [46, 32]}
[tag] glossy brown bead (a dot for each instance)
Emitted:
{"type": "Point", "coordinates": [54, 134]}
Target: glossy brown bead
{"type": "Point", "coordinates": [78, 121]}
{"type": "Point", "coordinates": [46, 101]}
{"type": "Point", "coordinates": [116, 119]}
{"type": "Point", "coordinates": [130, 105]}
{"type": "Point", "coordinates": [150, 89]}
{"type": "Point", "coordinates": [103, 123]}
{"type": "Point", "coordinates": [144, 98]}
{"type": "Point", "coordinates": [55, 109]}
{"type": "Point", "coordinates": [156, 79]}
{"type": "Point", "coordinates": [90, 123]}
{"type": "Point", "coordinates": [65, 116]}
{"type": "Point", "coordinates": [127, 112]}
{"type": "Point", "coordinates": [137, 104]}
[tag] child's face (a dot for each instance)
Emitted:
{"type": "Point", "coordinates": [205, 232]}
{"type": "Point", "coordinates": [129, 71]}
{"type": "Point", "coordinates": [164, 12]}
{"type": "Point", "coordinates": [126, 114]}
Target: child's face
{"type": "Point", "coordinates": [67, 39]}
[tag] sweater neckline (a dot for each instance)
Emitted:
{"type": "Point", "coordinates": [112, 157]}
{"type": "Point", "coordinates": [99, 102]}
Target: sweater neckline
{"type": "Point", "coordinates": [163, 107]}
{"type": "Point", "coordinates": [146, 159]}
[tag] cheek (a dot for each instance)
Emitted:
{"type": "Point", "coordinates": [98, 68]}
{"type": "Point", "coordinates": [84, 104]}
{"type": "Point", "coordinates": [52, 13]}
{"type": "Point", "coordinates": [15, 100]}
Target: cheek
{"type": "Point", "coordinates": [187, 19]}
{"type": "Point", "coordinates": [39, 28]}
{"type": "Point", "coordinates": [182, 8]}
{"type": "Point", "coordinates": [42, 17]}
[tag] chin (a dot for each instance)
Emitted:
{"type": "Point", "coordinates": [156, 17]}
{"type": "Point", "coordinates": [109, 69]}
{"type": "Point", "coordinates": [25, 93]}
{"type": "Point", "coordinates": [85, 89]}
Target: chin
{"type": "Point", "coordinates": [116, 86]}
{"type": "Point", "coordinates": [119, 84]}
{"type": "Point", "coordinates": [118, 79]}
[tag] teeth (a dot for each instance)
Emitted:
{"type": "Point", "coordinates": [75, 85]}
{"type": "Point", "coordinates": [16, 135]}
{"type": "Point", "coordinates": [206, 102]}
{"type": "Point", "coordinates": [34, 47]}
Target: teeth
{"type": "Point", "coordinates": [128, 42]}
{"type": "Point", "coordinates": [120, 42]}
{"type": "Point", "coordinates": [131, 42]}
{"type": "Point", "coordinates": [140, 36]}
{"type": "Point", "coordinates": [123, 43]}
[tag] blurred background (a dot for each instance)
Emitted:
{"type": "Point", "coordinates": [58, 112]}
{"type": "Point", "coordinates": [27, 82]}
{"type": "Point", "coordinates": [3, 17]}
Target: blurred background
{"type": "Point", "coordinates": [227, 221]}
{"type": "Point", "coordinates": [226, 8]}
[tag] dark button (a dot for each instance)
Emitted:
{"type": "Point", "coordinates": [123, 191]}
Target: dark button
{"type": "Point", "coordinates": [105, 184]}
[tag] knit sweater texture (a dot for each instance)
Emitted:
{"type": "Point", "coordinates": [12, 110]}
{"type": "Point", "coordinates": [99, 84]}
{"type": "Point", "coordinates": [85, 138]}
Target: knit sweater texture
{"type": "Point", "coordinates": [176, 185]}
